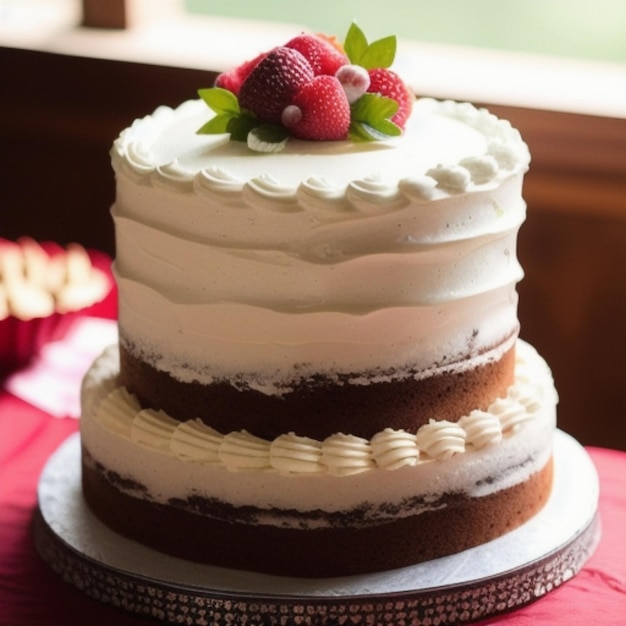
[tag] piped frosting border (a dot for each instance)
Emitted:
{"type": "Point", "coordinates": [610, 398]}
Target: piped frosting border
{"type": "Point", "coordinates": [115, 409]}
{"type": "Point", "coordinates": [505, 153]}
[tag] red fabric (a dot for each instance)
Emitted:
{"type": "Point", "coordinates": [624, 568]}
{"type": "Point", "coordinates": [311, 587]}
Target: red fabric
{"type": "Point", "coordinates": [32, 595]}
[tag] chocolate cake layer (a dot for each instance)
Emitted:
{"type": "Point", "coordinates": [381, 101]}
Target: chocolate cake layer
{"type": "Point", "coordinates": [321, 407]}
{"type": "Point", "coordinates": [464, 522]}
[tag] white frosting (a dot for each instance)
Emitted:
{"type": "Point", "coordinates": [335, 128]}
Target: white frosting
{"type": "Point", "coordinates": [441, 439]}
{"type": "Point", "coordinates": [328, 257]}
{"type": "Point", "coordinates": [331, 258]}
{"type": "Point", "coordinates": [480, 454]}
{"type": "Point", "coordinates": [343, 455]}
{"type": "Point", "coordinates": [393, 449]}
{"type": "Point", "coordinates": [484, 428]}
{"type": "Point", "coordinates": [291, 454]}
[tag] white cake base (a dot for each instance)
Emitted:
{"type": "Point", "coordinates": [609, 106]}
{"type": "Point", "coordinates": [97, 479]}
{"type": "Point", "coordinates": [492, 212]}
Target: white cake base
{"type": "Point", "coordinates": [504, 574]}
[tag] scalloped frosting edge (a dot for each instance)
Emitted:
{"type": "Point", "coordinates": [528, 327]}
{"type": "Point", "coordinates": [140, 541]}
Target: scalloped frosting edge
{"type": "Point", "coordinates": [506, 153]}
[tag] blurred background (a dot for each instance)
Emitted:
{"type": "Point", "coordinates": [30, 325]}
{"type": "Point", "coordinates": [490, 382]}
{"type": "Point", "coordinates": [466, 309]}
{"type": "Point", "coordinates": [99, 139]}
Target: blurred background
{"type": "Point", "coordinates": [574, 28]}
{"type": "Point", "coordinates": [74, 73]}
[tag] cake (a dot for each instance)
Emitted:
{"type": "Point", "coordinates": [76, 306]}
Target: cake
{"type": "Point", "coordinates": [42, 288]}
{"type": "Point", "coordinates": [319, 370]}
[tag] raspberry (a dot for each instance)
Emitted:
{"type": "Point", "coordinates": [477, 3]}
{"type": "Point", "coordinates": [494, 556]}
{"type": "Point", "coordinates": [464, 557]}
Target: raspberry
{"type": "Point", "coordinates": [273, 82]}
{"type": "Point", "coordinates": [320, 53]}
{"type": "Point", "coordinates": [319, 111]}
{"type": "Point", "coordinates": [233, 79]}
{"type": "Point", "coordinates": [390, 85]}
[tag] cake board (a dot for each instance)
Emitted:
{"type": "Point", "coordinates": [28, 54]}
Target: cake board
{"type": "Point", "coordinates": [504, 574]}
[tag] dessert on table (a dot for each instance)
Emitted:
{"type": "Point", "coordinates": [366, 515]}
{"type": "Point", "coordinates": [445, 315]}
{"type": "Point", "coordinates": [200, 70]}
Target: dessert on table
{"type": "Point", "coordinates": [43, 286]}
{"type": "Point", "coordinates": [319, 371]}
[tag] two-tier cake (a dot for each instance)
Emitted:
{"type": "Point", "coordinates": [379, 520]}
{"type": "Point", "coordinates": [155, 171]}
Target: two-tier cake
{"type": "Point", "coordinates": [319, 371]}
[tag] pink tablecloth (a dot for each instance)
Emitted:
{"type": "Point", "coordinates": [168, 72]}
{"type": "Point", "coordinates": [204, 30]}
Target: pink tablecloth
{"type": "Point", "coordinates": [32, 595]}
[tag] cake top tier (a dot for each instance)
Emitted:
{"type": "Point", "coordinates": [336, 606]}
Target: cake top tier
{"type": "Point", "coordinates": [446, 148]}
{"type": "Point", "coordinates": [389, 150]}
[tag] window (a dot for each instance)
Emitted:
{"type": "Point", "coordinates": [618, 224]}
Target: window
{"type": "Point", "coordinates": [591, 30]}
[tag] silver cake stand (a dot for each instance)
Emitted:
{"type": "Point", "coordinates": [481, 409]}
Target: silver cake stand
{"type": "Point", "coordinates": [504, 574]}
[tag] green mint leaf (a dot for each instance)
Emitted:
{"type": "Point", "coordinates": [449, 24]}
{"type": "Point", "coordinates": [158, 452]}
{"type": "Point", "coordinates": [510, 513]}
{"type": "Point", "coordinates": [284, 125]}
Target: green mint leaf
{"type": "Point", "coordinates": [387, 128]}
{"type": "Point", "coordinates": [268, 138]}
{"type": "Point", "coordinates": [271, 133]}
{"type": "Point", "coordinates": [220, 100]}
{"type": "Point", "coordinates": [371, 118]}
{"type": "Point", "coordinates": [380, 53]}
{"type": "Point", "coordinates": [370, 107]}
{"type": "Point", "coordinates": [355, 44]}
{"type": "Point", "coordinates": [358, 132]}
{"type": "Point", "coordinates": [216, 125]}
{"type": "Point", "coordinates": [239, 126]}
{"type": "Point", "coordinates": [238, 123]}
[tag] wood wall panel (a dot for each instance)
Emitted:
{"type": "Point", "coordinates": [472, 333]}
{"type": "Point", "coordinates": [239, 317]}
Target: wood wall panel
{"type": "Point", "coordinates": [59, 116]}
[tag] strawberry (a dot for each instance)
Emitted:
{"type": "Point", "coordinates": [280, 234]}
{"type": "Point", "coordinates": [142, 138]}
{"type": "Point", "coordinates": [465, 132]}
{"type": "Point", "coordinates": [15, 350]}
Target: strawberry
{"type": "Point", "coordinates": [233, 79]}
{"type": "Point", "coordinates": [319, 111]}
{"type": "Point", "coordinates": [320, 53]}
{"type": "Point", "coordinates": [273, 82]}
{"type": "Point", "coordinates": [388, 84]}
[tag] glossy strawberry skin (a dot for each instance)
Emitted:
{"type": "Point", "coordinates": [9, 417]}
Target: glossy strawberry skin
{"type": "Point", "coordinates": [390, 85]}
{"type": "Point", "coordinates": [271, 85]}
{"type": "Point", "coordinates": [321, 54]}
{"type": "Point", "coordinates": [324, 111]}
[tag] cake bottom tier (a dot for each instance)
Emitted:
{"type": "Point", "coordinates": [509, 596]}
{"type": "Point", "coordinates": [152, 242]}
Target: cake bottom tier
{"type": "Point", "coordinates": [460, 523]}
{"type": "Point", "coordinates": [295, 506]}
